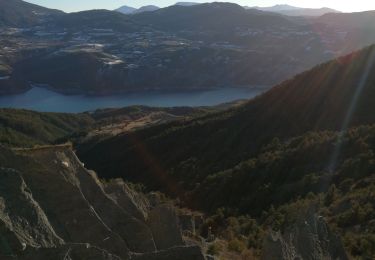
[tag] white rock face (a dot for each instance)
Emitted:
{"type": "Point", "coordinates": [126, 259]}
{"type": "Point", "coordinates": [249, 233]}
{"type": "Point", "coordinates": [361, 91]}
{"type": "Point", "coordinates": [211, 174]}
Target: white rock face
{"type": "Point", "coordinates": [51, 207]}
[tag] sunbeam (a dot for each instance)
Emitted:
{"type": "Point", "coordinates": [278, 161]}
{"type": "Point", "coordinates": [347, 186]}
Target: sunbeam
{"type": "Point", "coordinates": [370, 62]}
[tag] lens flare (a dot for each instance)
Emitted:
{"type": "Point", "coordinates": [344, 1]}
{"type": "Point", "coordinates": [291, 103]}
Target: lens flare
{"type": "Point", "coordinates": [369, 65]}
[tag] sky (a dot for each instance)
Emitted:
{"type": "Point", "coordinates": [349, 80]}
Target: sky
{"type": "Point", "coordinates": [79, 5]}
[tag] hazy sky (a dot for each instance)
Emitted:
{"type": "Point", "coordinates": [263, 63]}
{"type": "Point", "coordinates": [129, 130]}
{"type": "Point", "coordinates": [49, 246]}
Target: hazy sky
{"type": "Point", "coordinates": [77, 5]}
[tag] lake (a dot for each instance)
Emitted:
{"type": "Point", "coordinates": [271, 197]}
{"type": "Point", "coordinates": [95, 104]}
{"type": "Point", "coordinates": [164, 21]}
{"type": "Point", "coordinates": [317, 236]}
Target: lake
{"type": "Point", "coordinates": [43, 100]}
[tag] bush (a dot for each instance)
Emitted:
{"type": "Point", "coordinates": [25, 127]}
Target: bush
{"type": "Point", "coordinates": [214, 249]}
{"type": "Point", "coordinates": [236, 245]}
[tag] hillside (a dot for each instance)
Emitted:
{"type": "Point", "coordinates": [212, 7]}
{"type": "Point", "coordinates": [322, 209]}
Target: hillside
{"type": "Point", "coordinates": [332, 96]}
{"type": "Point", "coordinates": [95, 19]}
{"type": "Point", "coordinates": [349, 20]}
{"type": "Point", "coordinates": [17, 13]}
{"type": "Point", "coordinates": [308, 12]}
{"type": "Point", "coordinates": [27, 128]}
{"type": "Point", "coordinates": [288, 175]}
{"type": "Point", "coordinates": [187, 3]}
{"type": "Point", "coordinates": [284, 180]}
{"type": "Point", "coordinates": [53, 208]}
{"type": "Point", "coordinates": [146, 8]}
{"type": "Point", "coordinates": [130, 10]}
{"type": "Point", "coordinates": [23, 128]}
{"type": "Point", "coordinates": [74, 71]}
{"type": "Point", "coordinates": [176, 48]}
{"type": "Point", "coordinates": [296, 11]}
{"type": "Point", "coordinates": [112, 220]}
{"type": "Point", "coordinates": [305, 146]}
{"type": "Point", "coordinates": [205, 17]}
{"type": "Point", "coordinates": [126, 9]}
{"type": "Point", "coordinates": [277, 8]}
{"type": "Point", "coordinates": [270, 158]}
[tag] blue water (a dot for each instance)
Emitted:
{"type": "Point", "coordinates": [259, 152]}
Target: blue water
{"type": "Point", "coordinates": [40, 99]}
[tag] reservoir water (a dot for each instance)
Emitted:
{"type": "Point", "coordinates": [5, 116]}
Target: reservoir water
{"type": "Point", "coordinates": [43, 100]}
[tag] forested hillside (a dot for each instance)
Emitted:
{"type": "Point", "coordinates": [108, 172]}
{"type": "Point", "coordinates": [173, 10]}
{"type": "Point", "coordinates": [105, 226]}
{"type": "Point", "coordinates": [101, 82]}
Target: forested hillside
{"type": "Point", "coordinates": [24, 128]}
{"type": "Point", "coordinates": [309, 142]}
{"type": "Point", "coordinates": [332, 96]}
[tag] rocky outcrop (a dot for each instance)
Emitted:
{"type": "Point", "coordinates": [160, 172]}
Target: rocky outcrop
{"type": "Point", "coordinates": [51, 207]}
{"type": "Point", "coordinates": [309, 239]}
{"type": "Point", "coordinates": [160, 217]}
{"type": "Point", "coordinates": [163, 220]}
{"type": "Point", "coordinates": [190, 222]}
{"type": "Point", "coordinates": [132, 202]}
{"type": "Point", "coordinates": [21, 219]}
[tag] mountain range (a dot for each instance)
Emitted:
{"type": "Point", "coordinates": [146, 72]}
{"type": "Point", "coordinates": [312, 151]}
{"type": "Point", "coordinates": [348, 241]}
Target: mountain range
{"type": "Point", "coordinates": [178, 48]}
{"type": "Point", "coordinates": [175, 48]}
{"type": "Point", "coordinates": [281, 9]}
{"type": "Point", "coordinates": [296, 11]}
{"type": "Point", "coordinates": [130, 10]}
{"type": "Point", "coordinates": [148, 8]}
{"type": "Point", "coordinates": [126, 9]}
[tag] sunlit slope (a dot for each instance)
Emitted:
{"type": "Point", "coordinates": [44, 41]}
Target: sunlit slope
{"type": "Point", "coordinates": [24, 128]}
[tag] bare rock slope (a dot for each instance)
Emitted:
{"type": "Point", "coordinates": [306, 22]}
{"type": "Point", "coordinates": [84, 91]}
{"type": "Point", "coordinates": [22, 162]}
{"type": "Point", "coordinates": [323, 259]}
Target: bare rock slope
{"type": "Point", "coordinates": [51, 207]}
{"type": "Point", "coordinates": [309, 239]}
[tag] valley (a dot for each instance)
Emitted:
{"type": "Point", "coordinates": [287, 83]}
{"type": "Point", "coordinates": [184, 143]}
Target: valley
{"type": "Point", "coordinates": [191, 132]}
{"type": "Point", "coordinates": [245, 167]}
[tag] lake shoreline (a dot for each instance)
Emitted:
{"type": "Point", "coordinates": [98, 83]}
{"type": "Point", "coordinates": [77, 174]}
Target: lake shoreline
{"type": "Point", "coordinates": [75, 92]}
{"type": "Point", "coordinates": [45, 100]}
{"type": "Point", "coordinates": [80, 92]}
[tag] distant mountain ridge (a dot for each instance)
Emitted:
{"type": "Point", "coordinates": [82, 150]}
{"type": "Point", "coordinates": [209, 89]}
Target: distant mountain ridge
{"type": "Point", "coordinates": [131, 10]}
{"type": "Point", "coordinates": [277, 8]}
{"type": "Point", "coordinates": [126, 9]}
{"type": "Point", "coordinates": [281, 9]}
{"type": "Point", "coordinates": [295, 11]}
{"type": "Point", "coordinates": [187, 3]}
{"type": "Point", "coordinates": [149, 8]}
{"type": "Point", "coordinates": [206, 17]}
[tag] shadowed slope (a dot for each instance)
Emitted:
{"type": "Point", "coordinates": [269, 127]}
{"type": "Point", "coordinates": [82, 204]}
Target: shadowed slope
{"type": "Point", "coordinates": [320, 99]}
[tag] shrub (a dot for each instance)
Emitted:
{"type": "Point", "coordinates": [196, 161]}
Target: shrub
{"type": "Point", "coordinates": [214, 249]}
{"type": "Point", "coordinates": [236, 245]}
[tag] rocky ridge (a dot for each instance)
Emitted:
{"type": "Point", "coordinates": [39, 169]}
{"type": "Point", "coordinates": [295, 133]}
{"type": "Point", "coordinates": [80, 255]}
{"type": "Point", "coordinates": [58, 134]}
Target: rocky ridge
{"type": "Point", "coordinates": [309, 239]}
{"type": "Point", "coordinates": [67, 213]}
